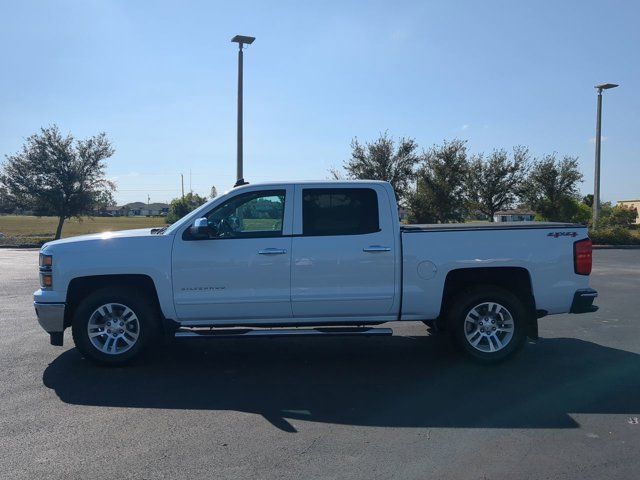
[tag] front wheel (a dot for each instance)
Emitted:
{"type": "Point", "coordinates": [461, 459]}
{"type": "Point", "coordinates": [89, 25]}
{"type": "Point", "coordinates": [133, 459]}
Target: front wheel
{"type": "Point", "coordinates": [113, 326]}
{"type": "Point", "coordinates": [488, 323]}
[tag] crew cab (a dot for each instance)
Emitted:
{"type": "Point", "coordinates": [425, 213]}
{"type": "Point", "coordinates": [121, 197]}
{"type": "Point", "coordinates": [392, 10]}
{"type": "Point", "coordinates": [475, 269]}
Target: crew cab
{"type": "Point", "coordinates": [311, 258]}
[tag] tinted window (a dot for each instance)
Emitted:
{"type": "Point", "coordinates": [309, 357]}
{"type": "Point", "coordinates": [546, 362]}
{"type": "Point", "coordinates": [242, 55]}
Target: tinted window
{"type": "Point", "coordinates": [339, 211]}
{"type": "Point", "coordinates": [255, 214]}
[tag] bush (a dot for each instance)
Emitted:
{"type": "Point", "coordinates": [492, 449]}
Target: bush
{"type": "Point", "coordinates": [614, 236]}
{"type": "Point", "coordinates": [619, 216]}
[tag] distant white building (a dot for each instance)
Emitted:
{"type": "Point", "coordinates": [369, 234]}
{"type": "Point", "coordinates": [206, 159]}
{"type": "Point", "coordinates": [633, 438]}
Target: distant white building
{"type": "Point", "coordinates": [515, 215]}
{"type": "Point", "coordinates": [632, 204]}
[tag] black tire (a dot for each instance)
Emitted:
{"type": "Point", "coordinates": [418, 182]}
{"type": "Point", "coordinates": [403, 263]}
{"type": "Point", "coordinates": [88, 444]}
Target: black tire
{"type": "Point", "coordinates": [463, 304]}
{"type": "Point", "coordinates": [146, 328]}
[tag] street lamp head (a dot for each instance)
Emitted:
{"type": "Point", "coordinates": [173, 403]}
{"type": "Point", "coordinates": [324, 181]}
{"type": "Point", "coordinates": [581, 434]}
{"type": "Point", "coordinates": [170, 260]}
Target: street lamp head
{"type": "Point", "coordinates": [606, 86]}
{"type": "Point", "coordinates": [241, 39]}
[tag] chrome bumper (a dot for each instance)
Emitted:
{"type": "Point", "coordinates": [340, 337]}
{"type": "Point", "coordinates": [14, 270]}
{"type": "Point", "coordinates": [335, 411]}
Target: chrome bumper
{"type": "Point", "coordinates": [51, 318]}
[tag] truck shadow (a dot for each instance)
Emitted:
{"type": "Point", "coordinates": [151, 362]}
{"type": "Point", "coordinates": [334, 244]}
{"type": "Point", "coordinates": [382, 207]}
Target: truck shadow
{"type": "Point", "coordinates": [387, 382]}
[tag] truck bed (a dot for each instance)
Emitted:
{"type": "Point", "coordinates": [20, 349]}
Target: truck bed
{"type": "Point", "coordinates": [473, 226]}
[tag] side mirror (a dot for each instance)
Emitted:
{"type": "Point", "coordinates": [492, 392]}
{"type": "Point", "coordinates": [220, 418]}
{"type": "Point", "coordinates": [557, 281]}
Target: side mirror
{"type": "Point", "coordinates": [200, 228]}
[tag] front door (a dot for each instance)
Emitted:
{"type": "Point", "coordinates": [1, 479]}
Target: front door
{"type": "Point", "coordinates": [242, 269]}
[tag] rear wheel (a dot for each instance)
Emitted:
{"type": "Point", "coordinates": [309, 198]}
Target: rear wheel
{"type": "Point", "coordinates": [114, 326]}
{"type": "Point", "coordinates": [488, 323]}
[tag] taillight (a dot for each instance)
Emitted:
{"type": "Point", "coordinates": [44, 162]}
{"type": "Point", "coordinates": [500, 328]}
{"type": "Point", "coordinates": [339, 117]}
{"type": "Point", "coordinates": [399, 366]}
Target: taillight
{"type": "Point", "coordinates": [582, 256]}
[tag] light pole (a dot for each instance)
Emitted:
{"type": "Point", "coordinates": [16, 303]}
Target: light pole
{"type": "Point", "coordinates": [596, 187]}
{"type": "Point", "coordinates": [241, 40]}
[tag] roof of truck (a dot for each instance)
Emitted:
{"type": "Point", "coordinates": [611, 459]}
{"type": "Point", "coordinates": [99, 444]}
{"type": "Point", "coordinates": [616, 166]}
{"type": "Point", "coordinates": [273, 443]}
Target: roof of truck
{"type": "Point", "coordinates": [303, 182]}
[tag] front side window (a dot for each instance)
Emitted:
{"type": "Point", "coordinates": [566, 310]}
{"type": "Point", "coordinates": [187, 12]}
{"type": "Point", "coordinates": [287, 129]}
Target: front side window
{"type": "Point", "coordinates": [339, 211]}
{"type": "Point", "coordinates": [249, 215]}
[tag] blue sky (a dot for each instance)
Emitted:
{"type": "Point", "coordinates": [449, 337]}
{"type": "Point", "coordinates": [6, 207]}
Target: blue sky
{"type": "Point", "coordinates": [160, 79]}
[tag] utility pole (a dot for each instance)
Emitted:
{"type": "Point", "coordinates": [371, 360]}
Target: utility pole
{"type": "Point", "coordinates": [182, 182]}
{"type": "Point", "coordinates": [596, 186]}
{"type": "Point", "coordinates": [241, 40]}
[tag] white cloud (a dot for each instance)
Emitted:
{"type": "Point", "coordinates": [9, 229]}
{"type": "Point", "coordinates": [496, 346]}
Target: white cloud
{"type": "Point", "coordinates": [464, 127]}
{"type": "Point", "coordinates": [593, 139]}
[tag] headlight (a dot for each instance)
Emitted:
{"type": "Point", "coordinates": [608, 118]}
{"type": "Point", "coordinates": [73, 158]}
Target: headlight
{"type": "Point", "coordinates": [46, 270]}
{"type": "Point", "coordinates": [46, 280]}
{"type": "Point", "coordinates": [45, 260]}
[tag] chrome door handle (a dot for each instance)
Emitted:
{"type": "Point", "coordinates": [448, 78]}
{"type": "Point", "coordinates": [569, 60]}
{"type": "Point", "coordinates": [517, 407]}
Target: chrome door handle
{"type": "Point", "coordinates": [272, 251]}
{"type": "Point", "coordinates": [376, 248]}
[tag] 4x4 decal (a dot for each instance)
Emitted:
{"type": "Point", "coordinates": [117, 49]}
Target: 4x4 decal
{"type": "Point", "coordinates": [562, 234]}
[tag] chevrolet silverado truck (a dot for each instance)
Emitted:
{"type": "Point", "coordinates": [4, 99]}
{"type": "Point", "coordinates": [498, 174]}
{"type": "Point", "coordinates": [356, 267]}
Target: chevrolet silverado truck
{"type": "Point", "coordinates": [310, 258]}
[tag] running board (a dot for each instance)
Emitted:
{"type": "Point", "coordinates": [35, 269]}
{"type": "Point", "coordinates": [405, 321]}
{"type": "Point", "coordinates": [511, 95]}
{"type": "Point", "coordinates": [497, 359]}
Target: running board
{"type": "Point", "coordinates": [280, 332]}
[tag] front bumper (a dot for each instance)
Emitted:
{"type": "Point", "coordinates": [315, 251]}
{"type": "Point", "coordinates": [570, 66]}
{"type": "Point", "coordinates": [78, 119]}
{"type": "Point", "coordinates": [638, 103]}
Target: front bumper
{"type": "Point", "coordinates": [51, 318]}
{"type": "Point", "coordinates": [583, 301]}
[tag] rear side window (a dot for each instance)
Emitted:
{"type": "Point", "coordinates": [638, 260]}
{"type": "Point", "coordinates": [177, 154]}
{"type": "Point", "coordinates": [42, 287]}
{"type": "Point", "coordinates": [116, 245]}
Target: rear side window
{"type": "Point", "coordinates": [339, 211]}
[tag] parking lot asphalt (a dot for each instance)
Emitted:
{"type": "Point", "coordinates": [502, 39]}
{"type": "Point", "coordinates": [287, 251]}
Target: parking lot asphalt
{"type": "Point", "coordinates": [405, 406]}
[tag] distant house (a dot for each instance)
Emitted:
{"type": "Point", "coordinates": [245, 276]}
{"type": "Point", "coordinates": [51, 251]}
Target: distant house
{"type": "Point", "coordinates": [632, 204]}
{"type": "Point", "coordinates": [158, 209]}
{"type": "Point", "coordinates": [135, 209]}
{"type": "Point", "coordinates": [109, 212]}
{"type": "Point", "coordinates": [140, 209]}
{"type": "Point", "coordinates": [515, 215]}
{"type": "Point", "coordinates": [114, 211]}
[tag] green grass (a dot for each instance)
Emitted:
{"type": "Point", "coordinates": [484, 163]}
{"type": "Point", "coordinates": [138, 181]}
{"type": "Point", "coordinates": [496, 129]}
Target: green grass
{"type": "Point", "coordinates": [261, 224]}
{"type": "Point", "coordinates": [28, 230]}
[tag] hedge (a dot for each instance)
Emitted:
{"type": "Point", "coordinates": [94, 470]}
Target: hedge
{"type": "Point", "coordinates": [615, 236]}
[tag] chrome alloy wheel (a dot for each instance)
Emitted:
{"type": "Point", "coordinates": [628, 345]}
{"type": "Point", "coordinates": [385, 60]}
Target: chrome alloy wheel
{"type": "Point", "coordinates": [489, 327]}
{"type": "Point", "coordinates": [113, 328]}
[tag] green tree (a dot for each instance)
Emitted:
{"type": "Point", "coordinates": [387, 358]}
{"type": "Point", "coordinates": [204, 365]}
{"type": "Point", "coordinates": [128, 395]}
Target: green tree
{"type": "Point", "coordinates": [551, 188]}
{"type": "Point", "coordinates": [57, 175]}
{"type": "Point", "coordinates": [606, 209]}
{"type": "Point", "coordinates": [6, 205]}
{"type": "Point", "coordinates": [493, 184]}
{"type": "Point", "coordinates": [581, 213]}
{"type": "Point", "coordinates": [383, 159]}
{"type": "Point", "coordinates": [439, 194]}
{"type": "Point", "coordinates": [179, 207]}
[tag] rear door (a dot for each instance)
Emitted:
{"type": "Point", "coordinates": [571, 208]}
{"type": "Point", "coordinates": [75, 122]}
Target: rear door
{"type": "Point", "coordinates": [343, 253]}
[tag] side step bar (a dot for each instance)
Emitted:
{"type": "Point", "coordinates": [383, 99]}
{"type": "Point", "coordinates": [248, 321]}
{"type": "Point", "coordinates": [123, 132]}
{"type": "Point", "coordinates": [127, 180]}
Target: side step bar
{"type": "Point", "coordinates": [280, 332]}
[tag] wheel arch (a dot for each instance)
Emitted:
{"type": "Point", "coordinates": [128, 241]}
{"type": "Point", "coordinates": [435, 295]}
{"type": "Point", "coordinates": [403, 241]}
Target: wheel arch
{"type": "Point", "coordinates": [516, 280]}
{"type": "Point", "coordinates": [80, 287]}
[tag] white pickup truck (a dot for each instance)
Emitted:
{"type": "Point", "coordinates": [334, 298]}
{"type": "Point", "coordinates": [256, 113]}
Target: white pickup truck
{"type": "Point", "coordinates": [310, 258]}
